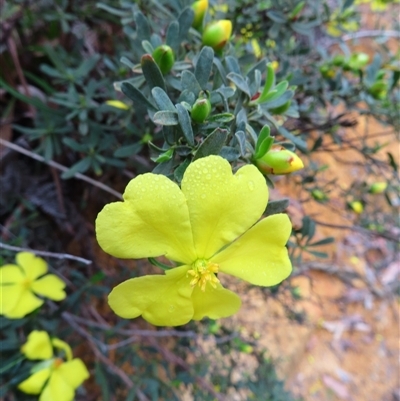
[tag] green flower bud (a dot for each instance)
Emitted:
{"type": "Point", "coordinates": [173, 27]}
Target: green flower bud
{"type": "Point", "coordinates": [327, 71]}
{"type": "Point", "coordinates": [199, 7]}
{"type": "Point", "coordinates": [378, 90]}
{"type": "Point", "coordinates": [200, 110]}
{"type": "Point", "coordinates": [279, 160]}
{"type": "Point", "coordinates": [319, 195]}
{"type": "Point", "coordinates": [217, 34]}
{"type": "Point", "coordinates": [377, 187]}
{"type": "Point", "coordinates": [164, 57]}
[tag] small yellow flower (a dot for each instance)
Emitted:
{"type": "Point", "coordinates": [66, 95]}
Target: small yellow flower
{"type": "Point", "coordinates": [357, 206]}
{"type": "Point", "coordinates": [55, 378]}
{"type": "Point", "coordinates": [208, 226]}
{"type": "Point", "coordinates": [19, 283]}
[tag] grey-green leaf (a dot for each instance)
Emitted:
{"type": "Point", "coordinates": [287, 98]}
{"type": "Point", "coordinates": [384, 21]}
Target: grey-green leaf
{"type": "Point", "coordinates": [162, 100]}
{"type": "Point", "coordinates": [240, 82]}
{"type": "Point", "coordinates": [189, 82]}
{"type": "Point", "coordinates": [152, 72]}
{"type": "Point", "coordinates": [213, 144]}
{"type": "Point", "coordinates": [166, 117]}
{"type": "Point", "coordinates": [204, 66]}
{"type": "Point", "coordinates": [185, 123]}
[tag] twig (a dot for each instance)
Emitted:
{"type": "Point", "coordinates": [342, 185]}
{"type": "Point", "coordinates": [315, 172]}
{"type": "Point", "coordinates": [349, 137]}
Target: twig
{"type": "Point", "coordinates": [359, 229]}
{"type": "Point", "coordinates": [170, 356]}
{"type": "Point", "coordinates": [45, 253]}
{"type": "Point", "coordinates": [370, 34]}
{"type": "Point", "coordinates": [119, 372]}
{"type": "Point", "coordinates": [58, 166]}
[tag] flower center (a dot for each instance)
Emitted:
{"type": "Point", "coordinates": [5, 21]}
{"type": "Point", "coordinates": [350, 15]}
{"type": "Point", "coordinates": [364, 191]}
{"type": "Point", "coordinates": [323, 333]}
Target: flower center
{"type": "Point", "coordinates": [26, 283]}
{"type": "Point", "coordinates": [57, 362]}
{"type": "Point", "coordinates": [203, 272]}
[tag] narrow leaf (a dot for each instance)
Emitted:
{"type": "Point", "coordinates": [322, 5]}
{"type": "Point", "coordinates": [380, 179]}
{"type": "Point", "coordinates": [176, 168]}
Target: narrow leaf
{"type": "Point", "coordinates": [185, 21]}
{"type": "Point", "coordinates": [136, 96]}
{"type": "Point", "coordinates": [162, 100]}
{"type": "Point", "coordinates": [185, 123]}
{"type": "Point", "coordinates": [204, 66]}
{"type": "Point", "coordinates": [240, 82]}
{"type": "Point", "coordinates": [213, 144]}
{"type": "Point", "coordinates": [166, 117]}
{"type": "Point", "coordinates": [189, 82]}
{"type": "Point", "coordinates": [277, 206]}
{"type": "Point", "coordinates": [172, 38]}
{"type": "Point", "coordinates": [152, 72]}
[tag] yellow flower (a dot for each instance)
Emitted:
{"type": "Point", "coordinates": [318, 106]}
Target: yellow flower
{"type": "Point", "coordinates": [208, 226]}
{"type": "Point", "coordinates": [19, 283]}
{"type": "Point", "coordinates": [55, 379]}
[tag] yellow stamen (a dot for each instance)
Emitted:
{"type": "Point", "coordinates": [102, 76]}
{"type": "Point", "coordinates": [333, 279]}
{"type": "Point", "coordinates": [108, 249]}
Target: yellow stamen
{"type": "Point", "coordinates": [203, 272]}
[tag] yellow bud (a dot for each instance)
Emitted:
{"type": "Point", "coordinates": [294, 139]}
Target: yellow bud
{"type": "Point", "coordinates": [356, 206]}
{"type": "Point", "coordinates": [279, 160]}
{"type": "Point", "coordinates": [117, 104]}
{"type": "Point", "coordinates": [217, 34]}
{"type": "Point", "coordinates": [199, 7]}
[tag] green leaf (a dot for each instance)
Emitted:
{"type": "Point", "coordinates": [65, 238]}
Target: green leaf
{"type": "Point", "coordinates": [269, 83]}
{"type": "Point", "coordinates": [172, 38]}
{"type": "Point", "coordinates": [162, 100]}
{"type": "Point", "coordinates": [279, 101]}
{"type": "Point", "coordinates": [185, 123]}
{"type": "Point", "coordinates": [325, 241]}
{"type": "Point", "coordinates": [166, 117]}
{"type": "Point", "coordinates": [213, 144]}
{"type": "Point", "coordinates": [147, 46]}
{"type": "Point", "coordinates": [143, 30]}
{"type": "Point", "coordinates": [277, 206]}
{"type": "Point", "coordinates": [204, 66]}
{"type": "Point", "coordinates": [278, 91]}
{"type": "Point", "coordinates": [180, 170]}
{"type": "Point", "coordinates": [264, 133]}
{"type": "Point", "coordinates": [151, 72]}
{"type": "Point", "coordinates": [229, 153]}
{"type": "Point", "coordinates": [189, 82]}
{"type": "Point", "coordinates": [136, 96]}
{"type": "Point", "coordinates": [232, 64]}
{"type": "Point", "coordinates": [277, 16]}
{"type": "Point", "coordinates": [240, 82]}
{"type": "Point", "coordinates": [80, 167]}
{"type": "Point", "coordinates": [221, 118]}
{"type": "Point", "coordinates": [185, 21]}
{"type": "Point", "coordinates": [74, 145]}
{"type": "Point", "coordinates": [102, 381]}
{"type": "Point", "coordinates": [264, 147]}
{"type": "Point", "coordinates": [164, 157]}
{"type": "Point", "coordinates": [129, 150]}
{"type": "Point", "coordinates": [241, 137]}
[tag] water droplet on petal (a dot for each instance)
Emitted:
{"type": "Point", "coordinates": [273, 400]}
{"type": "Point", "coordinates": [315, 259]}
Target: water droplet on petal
{"type": "Point", "coordinates": [251, 185]}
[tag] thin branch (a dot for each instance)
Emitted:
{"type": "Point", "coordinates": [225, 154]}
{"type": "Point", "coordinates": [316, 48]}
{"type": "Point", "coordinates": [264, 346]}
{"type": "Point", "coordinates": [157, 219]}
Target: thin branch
{"type": "Point", "coordinates": [385, 235]}
{"type": "Point", "coordinates": [45, 253]}
{"type": "Point", "coordinates": [370, 34]}
{"type": "Point", "coordinates": [58, 166]}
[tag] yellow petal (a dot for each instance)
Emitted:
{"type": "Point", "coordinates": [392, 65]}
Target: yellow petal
{"type": "Point", "coordinates": [162, 300]}
{"type": "Point", "coordinates": [35, 383]}
{"type": "Point", "coordinates": [222, 206]}
{"type": "Point", "coordinates": [57, 343]}
{"type": "Point", "coordinates": [259, 256]}
{"type": "Point", "coordinates": [26, 303]}
{"type": "Point", "coordinates": [50, 286]}
{"type": "Point", "coordinates": [10, 274]}
{"type": "Point", "coordinates": [73, 372]}
{"type": "Point", "coordinates": [153, 221]}
{"type": "Point", "coordinates": [118, 104]}
{"type": "Point", "coordinates": [38, 345]}
{"type": "Point", "coordinates": [214, 303]}
{"type": "Point", "coordinates": [9, 297]}
{"type": "Point", "coordinates": [32, 265]}
{"type": "Point", "coordinates": [57, 389]}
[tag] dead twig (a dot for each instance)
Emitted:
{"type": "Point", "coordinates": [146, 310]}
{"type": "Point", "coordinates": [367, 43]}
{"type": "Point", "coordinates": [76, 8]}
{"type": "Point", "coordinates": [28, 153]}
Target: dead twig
{"type": "Point", "coordinates": [59, 166]}
{"type": "Point", "coordinates": [45, 253]}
